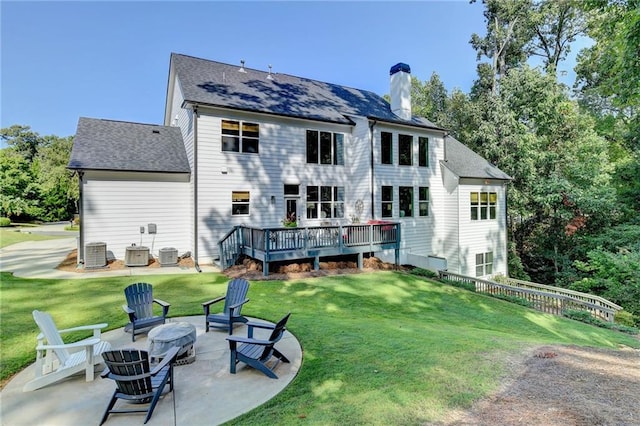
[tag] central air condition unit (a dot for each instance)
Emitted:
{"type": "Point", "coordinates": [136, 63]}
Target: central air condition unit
{"type": "Point", "coordinates": [95, 255]}
{"type": "Point", "coordinates": [136, 256]}
{"type": "Point", "coordinates": [168, 256]}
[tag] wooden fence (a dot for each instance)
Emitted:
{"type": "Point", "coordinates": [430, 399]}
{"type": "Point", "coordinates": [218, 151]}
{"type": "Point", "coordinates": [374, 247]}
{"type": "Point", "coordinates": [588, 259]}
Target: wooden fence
{"type": "Point", "coordinates": [553, 300]}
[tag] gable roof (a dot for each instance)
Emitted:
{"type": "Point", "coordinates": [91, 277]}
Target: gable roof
{"type": "Point", "coordinates": [465, 163]}
{"type": "Point", "coordinates": [222, 85]}
{"type": "Point", "coordinates": [124, 146]}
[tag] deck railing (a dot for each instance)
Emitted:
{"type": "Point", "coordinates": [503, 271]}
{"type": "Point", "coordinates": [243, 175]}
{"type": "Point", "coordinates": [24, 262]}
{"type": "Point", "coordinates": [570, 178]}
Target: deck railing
{"type": "Point", "coordinates": [274, 244]}
{"type": "Point", "coordinates": [553, 300]}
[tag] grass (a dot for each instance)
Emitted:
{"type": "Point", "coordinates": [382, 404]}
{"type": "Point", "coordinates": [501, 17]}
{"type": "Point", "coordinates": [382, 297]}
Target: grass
{"type": "Point", "coordinates": [379, 348]}
{"type": "Point", "coordinates": [12, 235]}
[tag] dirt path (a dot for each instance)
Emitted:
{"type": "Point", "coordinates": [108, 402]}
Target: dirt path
{"type": "Point", "coordinates": [564, 386]}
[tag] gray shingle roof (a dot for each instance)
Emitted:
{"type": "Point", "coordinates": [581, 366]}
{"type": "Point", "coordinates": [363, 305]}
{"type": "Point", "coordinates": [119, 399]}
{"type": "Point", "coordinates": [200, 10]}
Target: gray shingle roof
{"type": "Point", "coordinates": [465, 163]}
{"type": "Point", "coordinates": [213, 83]}
{"type": "Point", "coordinates": [124, 146]}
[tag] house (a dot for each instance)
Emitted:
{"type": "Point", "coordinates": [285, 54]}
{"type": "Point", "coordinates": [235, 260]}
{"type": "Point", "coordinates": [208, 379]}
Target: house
{"type": "Point", "coordinates": [241, 146]}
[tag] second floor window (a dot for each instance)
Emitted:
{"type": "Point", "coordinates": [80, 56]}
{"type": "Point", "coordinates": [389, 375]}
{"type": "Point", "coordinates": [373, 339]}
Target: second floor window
{"type": "Point", "coordinates": [386, 148]}
{"type": "Point", "coordinates": [405, 150]}
{"type": "Point", "coordinates": [483, 205]}
{"type": "Point", "coordinates": [387, 201]}
{"type": "Point", "coordinates": [325, 148]}
{"type": "Point", "coordinates": [239, 136]}
{"type": "Point", "coordinates": [423, 152]}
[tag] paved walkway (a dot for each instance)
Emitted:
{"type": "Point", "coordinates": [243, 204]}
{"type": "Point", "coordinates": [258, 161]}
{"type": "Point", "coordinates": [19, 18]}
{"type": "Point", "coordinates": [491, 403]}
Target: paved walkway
{"type": "Point", "coordinates": [205, 391]}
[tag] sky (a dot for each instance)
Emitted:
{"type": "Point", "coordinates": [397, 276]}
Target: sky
{"type": "Point", "coordinates": [65, 60]}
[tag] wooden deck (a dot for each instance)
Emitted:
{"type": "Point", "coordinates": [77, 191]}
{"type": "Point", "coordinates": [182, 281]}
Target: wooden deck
{"type": "Point", "coordinates": [278, 244]}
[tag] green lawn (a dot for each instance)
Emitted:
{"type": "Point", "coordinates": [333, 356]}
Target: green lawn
{"type": "Point", "coordinates": [11, 235]}
{"type": "Point", "coordinates": [379, 348]}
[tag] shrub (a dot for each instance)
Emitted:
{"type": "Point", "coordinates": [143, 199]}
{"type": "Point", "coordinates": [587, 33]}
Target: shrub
{"type": "Point", "coordinates": [461, 284]}
{"type": "Point", "coordinates": [513, 299]}
{"type": "Point", "coordinates": [421, 272]}
{"type": "Point", "coordinates": [625, 318]}
{"type": "Point", "coordinates": [5, 221]}
{"type": "Point", "coordinates": [586, 317]}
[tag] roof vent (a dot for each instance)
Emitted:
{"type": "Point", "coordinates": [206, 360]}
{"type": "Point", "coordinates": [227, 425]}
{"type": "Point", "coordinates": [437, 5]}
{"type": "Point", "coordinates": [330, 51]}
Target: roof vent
{"type": "Point", "coordinates": [157, 132]}
{"type": "Point", "coordinates": [269, 77]}
{"type": "Point", "coordinates": [242, 66]}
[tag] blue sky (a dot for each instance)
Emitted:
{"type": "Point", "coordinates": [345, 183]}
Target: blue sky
{"type": "Point", "coordinates": [64, 60]}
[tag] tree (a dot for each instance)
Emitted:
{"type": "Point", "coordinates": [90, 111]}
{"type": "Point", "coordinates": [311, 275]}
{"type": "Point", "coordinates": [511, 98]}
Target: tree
{"type": "Point", "coordinates": [58, 187]}
{"type": "Point", "coordinates": [556, 24]}
{"type": "Point", "coordinates": [22, 139]}
{"type": "Point", "coordinates": [19, 193]}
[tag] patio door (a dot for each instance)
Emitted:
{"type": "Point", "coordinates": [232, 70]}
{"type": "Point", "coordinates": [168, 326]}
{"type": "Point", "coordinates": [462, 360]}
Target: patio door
{"type": "Point", "coordinates": [291, 196]}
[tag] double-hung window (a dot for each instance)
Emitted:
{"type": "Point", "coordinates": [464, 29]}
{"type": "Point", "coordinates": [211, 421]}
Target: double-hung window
{"type": "Point", "coordinates": [239, 136]}
{"type": "Point", "coordinates": [325, 202]}
{"type": "Point", "coordinates": [423, 201]}
{"type": "Point", "coordinates": [484, 264]}
{"type": "Point", "coordinates": [240, 203]}
{"type": "Point", "coordinates": [325, 148]}
{"type": "Point", "coordinates": [406, 201]}
{"type": "Point", "coordinates": [405, 150]}
{"type": "Point", "coordinates": [387, 201]}
{"type": "Point", "coordinates": [483, 205]}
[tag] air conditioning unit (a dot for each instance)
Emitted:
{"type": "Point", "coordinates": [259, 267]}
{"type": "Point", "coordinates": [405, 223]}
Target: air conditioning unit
{"type": "Point", "coordinates": [95, 255]}
{"type": "Point", "coordinates": [136, 256]}
{"type": "Point", "coordinates": [168, 256]}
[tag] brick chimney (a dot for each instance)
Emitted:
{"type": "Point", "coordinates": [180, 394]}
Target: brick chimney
{"type": "Point", "coordinates": [401, 90]}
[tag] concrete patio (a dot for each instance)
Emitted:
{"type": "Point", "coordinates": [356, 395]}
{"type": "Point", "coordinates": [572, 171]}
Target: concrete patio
{"type": "Point", "coordinates": [204, 393]}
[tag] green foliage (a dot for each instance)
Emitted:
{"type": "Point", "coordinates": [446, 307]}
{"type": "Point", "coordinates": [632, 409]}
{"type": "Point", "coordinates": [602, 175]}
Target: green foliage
{"type": "Point", "coordinates": [5, 221]}
{"type": "Point", "coordinates": [460, 284]}
{"type": "Point", "coordinates": [615, 276]}
{"type": "Point", "coordinates": [626, 318]}
{"type": "Point", "coordinates": [587, 318]}
{"type": "Point", "coordinates": [36, 183]}
{"type": "Point", "coordinates": [421, 272]}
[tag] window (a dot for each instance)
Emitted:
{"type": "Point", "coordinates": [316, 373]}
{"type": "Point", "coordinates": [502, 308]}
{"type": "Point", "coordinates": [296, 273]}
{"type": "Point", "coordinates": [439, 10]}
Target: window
{"type": "Point", "coordinates": [325, 202]}
{"type": "Point", "coordinates": [240, 137]}
{"type": "Point", "coordinates": [292, 190]}
{"type": "Point", "coordinates": [387, 201]}
{"type": "Point", "coordinates": [406, 201]}
{"type": "Point", "coordinates": [483, 205]}
{"type": "Point", "coordinates": [325, 148]}
{"type": "Point", "coordinates": [240, 203]}
{"type": "Point", "coordinates": [386, 148]}
{"type": "Point", "coordinates": [423, 201]}
{"type": "Point", "coordinates": [405, 150]}
{"type": "Point", "coordinates": [484, 264]}
{"type": "Point", "coordinates": [423, 152]}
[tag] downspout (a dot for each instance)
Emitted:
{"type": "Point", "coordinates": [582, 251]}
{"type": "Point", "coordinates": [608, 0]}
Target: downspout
{"type": "Point", "coordinates": [195, 188]}
{"type": "Point", "coordinates": [506, 227]}
{"type": "Point", "coordinates": [373, 201]}
{"type": "Point", "coordinates": [81, 231]}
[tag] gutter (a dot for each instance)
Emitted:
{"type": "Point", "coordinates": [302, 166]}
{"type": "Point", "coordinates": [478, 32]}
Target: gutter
{"type": "Point", "coordinates": [371, 126]}
{"type": "Point", "coordinates": [195, 188]}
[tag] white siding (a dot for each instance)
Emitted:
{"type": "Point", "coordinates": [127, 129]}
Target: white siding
{"type": "Point", "coordinates": [482, 236]}
{"type": "Point", "coordinates": [116, 205]}
{"type": "Point", "coordinates": [421, 236]}
{"type": "Point", "coordinates": [281, 159]}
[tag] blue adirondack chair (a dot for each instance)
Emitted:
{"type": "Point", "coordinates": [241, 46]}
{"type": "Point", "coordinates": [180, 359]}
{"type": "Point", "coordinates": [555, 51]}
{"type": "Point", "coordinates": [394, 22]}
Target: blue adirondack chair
{"type": "Point", "coordinates": [231, 313]}
{"type": "Point", "coordinates": [136, 382]}
{"type": "Point", "coordinates": [257, 352]}
{"type": "Point", "coordinates": [139, 307]}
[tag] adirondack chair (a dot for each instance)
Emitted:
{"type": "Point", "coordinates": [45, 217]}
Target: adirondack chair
{"type": "Point", "coordinates": [56, 360]}
{"type": "Point", "coordinates": [136, 383]}
{"type": "Point", "coordinates": [139, 307]}
{"type": "Point", "coordinates": [257, 352]}
{"type": "Point", "coordinates": [231, 313]}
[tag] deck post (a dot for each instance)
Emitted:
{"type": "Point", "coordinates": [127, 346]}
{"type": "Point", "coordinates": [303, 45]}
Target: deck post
{"type": "Point", "coordinates": [360, 255]}
{"type": "Point", "coordinates": [316, 263]}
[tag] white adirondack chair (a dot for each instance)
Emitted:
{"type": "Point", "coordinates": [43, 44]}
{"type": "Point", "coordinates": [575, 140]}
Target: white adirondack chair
{"type": "Point", "coordinates": [56, 360]}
